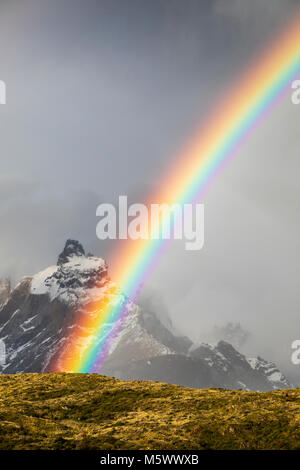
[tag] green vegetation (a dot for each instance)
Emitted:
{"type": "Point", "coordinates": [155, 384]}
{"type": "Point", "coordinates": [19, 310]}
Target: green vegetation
{"type": "Point", "coordinates": [89, 411]}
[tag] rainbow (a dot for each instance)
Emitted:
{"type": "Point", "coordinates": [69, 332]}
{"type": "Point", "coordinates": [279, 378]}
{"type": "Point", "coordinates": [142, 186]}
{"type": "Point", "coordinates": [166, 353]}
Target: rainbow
{"type": "Point", "coordinates": [231, 122]}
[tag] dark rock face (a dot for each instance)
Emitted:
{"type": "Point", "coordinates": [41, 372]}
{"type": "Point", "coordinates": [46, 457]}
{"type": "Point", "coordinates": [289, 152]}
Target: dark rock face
{"type": "Point", "coordinates": [40, 316]}
{"type": "Point", "coordinates": [233, 369]}
{"type": "Point", "coordinates": [72, 248]}
{"type": "Point", "coordinates": [30, 328]}
{"type": "Point", "coordinates": [154, 326]}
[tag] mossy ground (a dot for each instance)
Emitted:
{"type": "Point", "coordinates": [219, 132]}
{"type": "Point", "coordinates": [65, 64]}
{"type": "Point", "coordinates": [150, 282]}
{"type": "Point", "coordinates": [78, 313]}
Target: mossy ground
{"type": "Point", "coordinates": [82, 411]}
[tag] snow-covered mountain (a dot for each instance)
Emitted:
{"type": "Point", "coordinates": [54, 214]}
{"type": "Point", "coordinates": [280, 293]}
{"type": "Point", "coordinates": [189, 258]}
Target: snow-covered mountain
{"type": "Point", "coordinates": [41, 313]}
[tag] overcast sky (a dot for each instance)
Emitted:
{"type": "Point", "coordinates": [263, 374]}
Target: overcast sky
{"type": "Point", "coordinates": [101, 95]}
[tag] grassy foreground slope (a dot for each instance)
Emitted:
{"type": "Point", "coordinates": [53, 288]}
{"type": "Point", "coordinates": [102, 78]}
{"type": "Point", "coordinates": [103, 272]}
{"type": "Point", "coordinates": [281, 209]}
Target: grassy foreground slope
{"type": "Point", "coordinates": [81, 411]}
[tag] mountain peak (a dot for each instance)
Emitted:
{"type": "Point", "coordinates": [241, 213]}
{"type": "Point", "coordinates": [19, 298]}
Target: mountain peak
{"type": "Point", "coordinates": [72, 248]}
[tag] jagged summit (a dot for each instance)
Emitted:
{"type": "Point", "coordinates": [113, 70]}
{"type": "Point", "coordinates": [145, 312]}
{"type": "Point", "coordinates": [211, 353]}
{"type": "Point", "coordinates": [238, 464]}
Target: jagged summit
{"type": "Point", "coordinates": [72, 248]}
{"type": "Point", "coordinates": [76, 279]}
